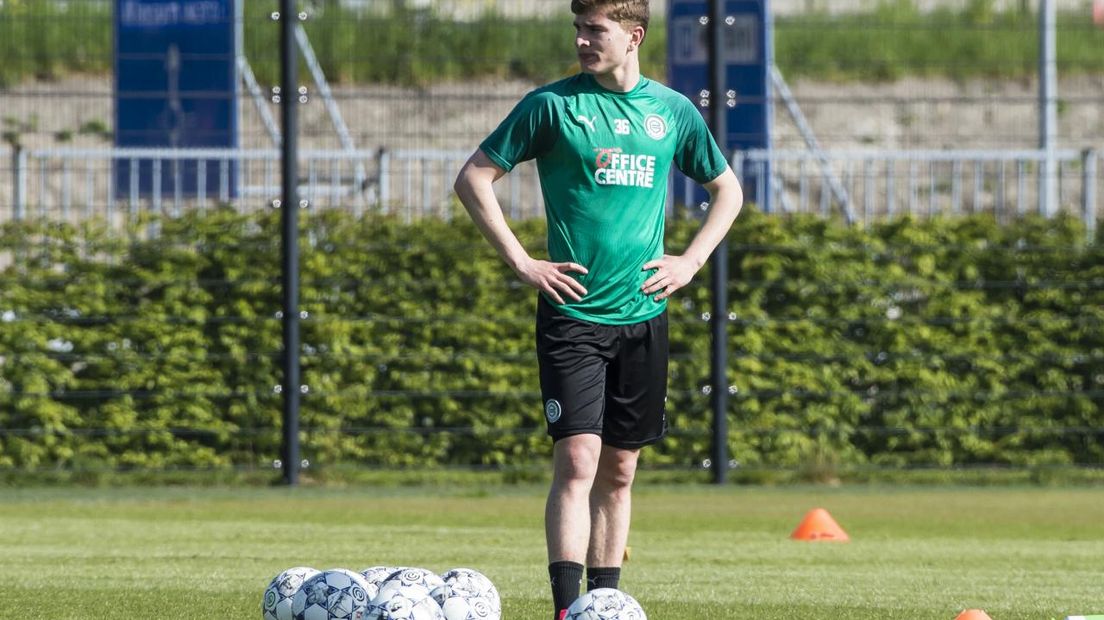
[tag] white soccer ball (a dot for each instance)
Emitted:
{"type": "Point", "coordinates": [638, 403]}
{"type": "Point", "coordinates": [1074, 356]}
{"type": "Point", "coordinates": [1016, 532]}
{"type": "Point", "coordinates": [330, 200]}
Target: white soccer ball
{"type": "Point", "coordinates": [470, 583]}
{"type": "Point", "coordinates": [376, 575]}
{"type": "Point", "coordinates": [397, 601]}
{"type": "Point", "coordinates": [336, 594]}
{"type": "Point", "coordinates": [276, 604]}
{"type": "Point", "coordinates": [605, 604]}
{"type": "Point", "coordinates": [459, 606]}
{"type": "Point", "coordinates": [413, 577]}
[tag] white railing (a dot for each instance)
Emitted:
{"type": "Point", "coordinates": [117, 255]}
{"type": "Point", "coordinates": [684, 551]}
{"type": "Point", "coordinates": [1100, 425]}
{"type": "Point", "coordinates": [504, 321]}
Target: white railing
{"type": "Point", "coordinates": [879, 184]}
{"type": "Point", "coordinates": [74, 184]}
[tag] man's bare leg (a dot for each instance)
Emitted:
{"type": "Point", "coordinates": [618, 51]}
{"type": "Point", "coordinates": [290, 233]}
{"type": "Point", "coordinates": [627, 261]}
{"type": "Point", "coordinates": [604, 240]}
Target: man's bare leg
{"type": "Point", "coordinates": [610, 515]}
{"type": "Point", "coordinates": [567, 514]}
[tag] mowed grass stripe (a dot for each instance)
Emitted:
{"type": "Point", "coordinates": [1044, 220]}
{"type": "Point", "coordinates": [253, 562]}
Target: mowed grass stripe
{"type": "Point", "coordinates": [699, 553]}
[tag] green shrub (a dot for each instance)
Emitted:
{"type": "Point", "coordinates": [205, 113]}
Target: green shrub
{"type": "Point", "coordinates": [938, 343]}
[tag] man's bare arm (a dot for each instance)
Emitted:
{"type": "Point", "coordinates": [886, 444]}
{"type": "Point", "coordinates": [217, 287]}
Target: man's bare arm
{"type": "Point", "coordinates": [673, 272]}
{"type": "Point", "coordinates": [475, 187]}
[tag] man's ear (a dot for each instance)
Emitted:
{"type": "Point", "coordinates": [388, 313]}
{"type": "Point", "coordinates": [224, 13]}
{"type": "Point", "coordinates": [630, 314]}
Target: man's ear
{"type": "Point", "coordinates": [636, 36]}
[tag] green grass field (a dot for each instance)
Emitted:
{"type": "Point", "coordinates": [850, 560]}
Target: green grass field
{"type": "Point", "coordinates": [698, 553]}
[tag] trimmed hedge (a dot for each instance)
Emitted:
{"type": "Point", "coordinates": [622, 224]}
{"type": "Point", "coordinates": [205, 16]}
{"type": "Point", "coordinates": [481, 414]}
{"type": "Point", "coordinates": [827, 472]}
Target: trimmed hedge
{"type": "Point", "coordinates": [934, 343]}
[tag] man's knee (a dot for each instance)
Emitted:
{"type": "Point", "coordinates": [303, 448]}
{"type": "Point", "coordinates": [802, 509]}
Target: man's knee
{"type": "Point", "coordinates": [576, 459]}
{"type": "Point", "coordinates": [617, 469]}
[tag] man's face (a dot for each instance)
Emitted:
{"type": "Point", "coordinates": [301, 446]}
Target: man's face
{"type": "Point", "coordinates": [601, 43]}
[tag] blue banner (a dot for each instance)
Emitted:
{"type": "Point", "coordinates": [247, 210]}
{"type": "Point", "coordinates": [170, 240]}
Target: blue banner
{"type": "Point", "coordinates": [176, 87]}
{"type": "Point", "coordinates": [747, 52]}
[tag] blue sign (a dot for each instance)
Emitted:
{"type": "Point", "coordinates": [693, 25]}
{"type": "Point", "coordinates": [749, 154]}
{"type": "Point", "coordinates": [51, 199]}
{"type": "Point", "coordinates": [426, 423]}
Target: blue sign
{"type": "Point", "coordinates": [176, 87]}
{"type": "Point", "coordinates": [748, 54]}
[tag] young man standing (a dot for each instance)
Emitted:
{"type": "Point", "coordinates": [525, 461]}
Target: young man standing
{"type": "Point", "coordinates": [604, 141]}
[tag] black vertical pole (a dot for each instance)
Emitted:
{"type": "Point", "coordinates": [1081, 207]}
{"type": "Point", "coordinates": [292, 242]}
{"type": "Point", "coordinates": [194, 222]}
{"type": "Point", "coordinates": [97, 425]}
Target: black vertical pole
{"type": "Point", "coordinates": [289, 68]}
{"type": "Point", "coordinates": [719, 280]}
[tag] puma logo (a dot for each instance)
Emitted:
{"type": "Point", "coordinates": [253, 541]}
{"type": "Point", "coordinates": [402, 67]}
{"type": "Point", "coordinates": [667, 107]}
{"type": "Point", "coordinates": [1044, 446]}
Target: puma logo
{"type": "Point", "coordinates": [589, 122]}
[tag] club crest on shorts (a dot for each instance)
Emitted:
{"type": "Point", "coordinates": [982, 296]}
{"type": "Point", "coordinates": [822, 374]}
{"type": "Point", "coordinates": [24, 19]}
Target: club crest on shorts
{"type": "Point", "coordinates": [552, 410]}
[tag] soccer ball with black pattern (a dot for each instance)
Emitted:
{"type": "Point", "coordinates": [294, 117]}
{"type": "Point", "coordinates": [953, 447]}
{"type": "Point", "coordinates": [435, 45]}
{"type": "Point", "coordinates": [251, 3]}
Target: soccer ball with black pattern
{"type": "Point", "coordinates": [413, 577]}
{"type": "Point", "coordinates": [336, 594]}
{"type": "Point", "coordinates": [605, 604]}
{"type": "Point", "coordinates": [397, 601]}
{"type": "Point", "coordinates": [376, 575]}
{"type": "Point", "coordinates": [471, 583]}
{"type": "Point", "coordinates": [276, 604]}
{"type": "Point", "coordinates": [460, 606]}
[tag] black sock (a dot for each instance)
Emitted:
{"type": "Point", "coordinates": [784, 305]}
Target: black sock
{"type": "Point", "coordinates": [599, 577]}
{"type": "Point", "coordinates": [566, 579]}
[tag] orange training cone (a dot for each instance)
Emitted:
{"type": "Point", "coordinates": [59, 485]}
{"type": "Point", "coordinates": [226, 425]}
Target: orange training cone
{"type": "Point", "coordinates": [819, 525]}
{"type": "Point", "coordinates": [973, 614]}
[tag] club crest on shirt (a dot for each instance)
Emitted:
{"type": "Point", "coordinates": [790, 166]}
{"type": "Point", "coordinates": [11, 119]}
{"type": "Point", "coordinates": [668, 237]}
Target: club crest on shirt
{"type": "Point", "coordinates": [655, 126]}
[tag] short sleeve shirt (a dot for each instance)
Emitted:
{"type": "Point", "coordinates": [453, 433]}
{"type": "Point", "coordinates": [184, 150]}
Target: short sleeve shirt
{"type": "Point", "coordinates": [603, 159]}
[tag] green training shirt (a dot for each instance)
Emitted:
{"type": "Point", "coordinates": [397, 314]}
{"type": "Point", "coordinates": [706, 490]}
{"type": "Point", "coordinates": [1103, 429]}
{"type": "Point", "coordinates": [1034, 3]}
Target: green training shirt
{"type": "Point", "coordinates": [603, 158]}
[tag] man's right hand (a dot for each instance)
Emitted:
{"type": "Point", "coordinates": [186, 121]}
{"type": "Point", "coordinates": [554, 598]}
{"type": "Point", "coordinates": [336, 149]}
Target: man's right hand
{"type": "Point", "coordinates": [552, 279]}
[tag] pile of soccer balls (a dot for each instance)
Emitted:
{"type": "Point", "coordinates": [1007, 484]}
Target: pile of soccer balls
{"type": "Point", "coordinates": [381, 593]}
{"type": "Point", "coordinates": [392, 593]}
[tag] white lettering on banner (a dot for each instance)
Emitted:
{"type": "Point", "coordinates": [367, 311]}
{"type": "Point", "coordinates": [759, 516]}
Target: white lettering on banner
{"type": "Point", "coordinates": [141, 15]}
{"type": "Point", "coordinates": [617, 168]}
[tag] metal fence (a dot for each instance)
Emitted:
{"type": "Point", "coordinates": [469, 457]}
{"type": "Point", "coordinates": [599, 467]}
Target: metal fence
{"type": "Point", "coordinates": [861, 185]}
{"type": "Point", "coordinates": [75, 184]}
{"type": "Point", "coordinates": [869, 185]}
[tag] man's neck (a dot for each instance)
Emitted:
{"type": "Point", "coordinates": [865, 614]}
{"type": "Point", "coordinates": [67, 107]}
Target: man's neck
{"type": "Point", "coordinates": [620, 80]}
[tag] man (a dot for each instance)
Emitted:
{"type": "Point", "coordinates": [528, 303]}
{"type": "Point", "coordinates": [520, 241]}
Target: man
{"type": "Point", "coordinates": [604, 141]}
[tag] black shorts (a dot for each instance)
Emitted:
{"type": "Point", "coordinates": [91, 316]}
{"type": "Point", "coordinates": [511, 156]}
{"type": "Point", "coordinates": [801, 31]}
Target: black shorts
{"type": "Point", "coordinates": [607, 380]}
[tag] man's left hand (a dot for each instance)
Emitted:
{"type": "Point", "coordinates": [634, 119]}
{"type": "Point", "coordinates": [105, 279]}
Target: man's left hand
{"type": "Point", "coordinates": [671, 274]}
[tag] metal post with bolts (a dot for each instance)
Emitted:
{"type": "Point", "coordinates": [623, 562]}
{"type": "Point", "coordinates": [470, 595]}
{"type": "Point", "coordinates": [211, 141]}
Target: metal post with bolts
{"type": "Point", "coordinates": [290, 240]}
{"type": "Point", "coordinates": [719, 268]}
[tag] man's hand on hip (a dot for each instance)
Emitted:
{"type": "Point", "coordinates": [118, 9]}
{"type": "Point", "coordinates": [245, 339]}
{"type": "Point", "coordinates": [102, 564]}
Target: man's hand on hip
{"type": "Point", "coordinates": [553, 279]}
{"type": "Point", "coordinates": [670, 274]}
